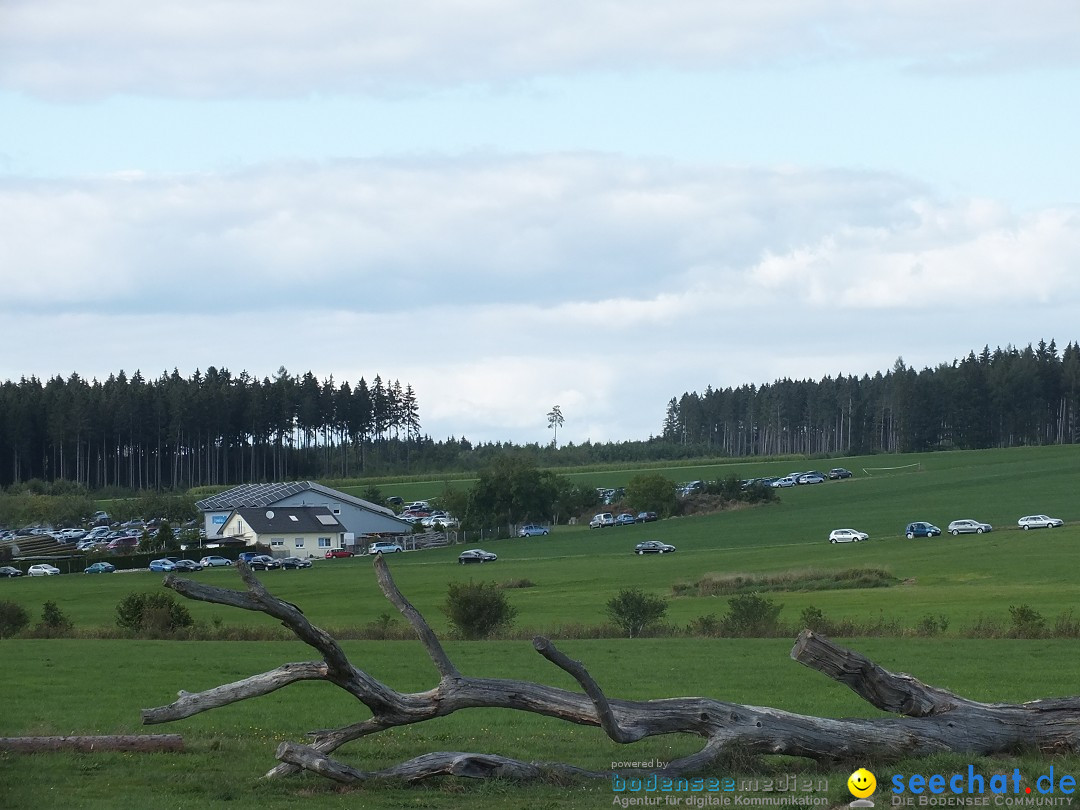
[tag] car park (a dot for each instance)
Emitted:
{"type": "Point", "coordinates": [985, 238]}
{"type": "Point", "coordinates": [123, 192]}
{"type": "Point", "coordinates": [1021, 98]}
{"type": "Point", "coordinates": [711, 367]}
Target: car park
{"type": "Point", "coordinates": [646, 517]}
{"type": "Point", "coordinates": [476, 555]}
{"type": "Point", "coordinates": [335, 553]}
{"type": "Point", "coordinates": [532, 530]}
{"type": "Point", "coordinates": [42, 570]}
{"type": "Point", "coordinates": [161, 565]}
{"type": "Point", "coordinates": [653, 547]}
{"type": "Point", "coordinates": [100, 568]}
{"type": "Point", "coordinates": [1039, 522]}
{"type": "Point", "coordinates": [295, 562]}
{"type": "Point", "coordinates": [187, 565]}
{"type": "Point", "coordinates": [214, 561]}
{"type": "Point", "coordinates": [921, 528]}
{"type": "Point", "coordinates": [384, 547]}
{"type": "Point", "coordinates": [968, 526]}
{"type": "Point", "coordinates": [9, 572]}
{"type": "Point", "coordinates": [847, 536]}
{"type": "Point", "coordinates": [625, 519]}
{"type": "Point", "coordinates": [602, 520]}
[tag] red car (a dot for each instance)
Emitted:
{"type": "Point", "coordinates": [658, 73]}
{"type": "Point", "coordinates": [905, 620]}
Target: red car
{"type": "Point", "coordinates": [338, 552]}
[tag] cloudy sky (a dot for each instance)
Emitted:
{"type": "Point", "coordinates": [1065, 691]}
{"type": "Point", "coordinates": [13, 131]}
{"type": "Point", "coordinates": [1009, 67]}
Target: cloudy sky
{"type": "Point", "coordinates": [512, 204]}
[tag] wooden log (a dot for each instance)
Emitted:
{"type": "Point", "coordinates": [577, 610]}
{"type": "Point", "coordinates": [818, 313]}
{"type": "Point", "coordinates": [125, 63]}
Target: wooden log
{"type": "Point", "coordinates": [88, 744]}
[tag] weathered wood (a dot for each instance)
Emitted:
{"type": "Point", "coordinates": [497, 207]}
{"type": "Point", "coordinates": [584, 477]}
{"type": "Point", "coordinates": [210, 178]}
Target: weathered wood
{"type": "Point", "coordinates": [141, 743]}
{"type": "Point", "coordinates": [933, 719]}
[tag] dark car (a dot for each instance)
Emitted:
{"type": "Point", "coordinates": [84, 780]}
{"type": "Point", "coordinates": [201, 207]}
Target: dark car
{"type": "Point", "coordinates": [653, 547]}
{"type": "Point", "coordinates": [100, 568]}
{"type": "Point", "coordinates": [476, 555]}
{"type": "Point", "coordinates": [264, 562]}
{"type": "Point", "coordinates": [646, 517]}
{"type": "Point", "coordinates": [248, 556]}
{"type": "Point", "coordinates": [7, 571]}
{"type": "Point", "coordinates": [921, 529]}
{"type": "Point", "coordinates": [295, 562]}
{"type": "Point", "coordinates": [836, 473]}
{"type": "Point", "coordinates": [625, 519]}
{"type": "Point", "coordinates": [187, 565]}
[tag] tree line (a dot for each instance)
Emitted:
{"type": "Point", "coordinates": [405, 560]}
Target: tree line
{"type": "Point", "coordinates": [1002, 398]}
{"type": "Point", "coordinates": [132, 433]}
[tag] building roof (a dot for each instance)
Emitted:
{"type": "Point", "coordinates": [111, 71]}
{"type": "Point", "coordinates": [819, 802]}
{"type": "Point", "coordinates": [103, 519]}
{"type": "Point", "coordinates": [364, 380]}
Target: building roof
{"type": "Point", "coordinates": [256, 495]}
{"type": "Point", "coordinates": [289, 520]}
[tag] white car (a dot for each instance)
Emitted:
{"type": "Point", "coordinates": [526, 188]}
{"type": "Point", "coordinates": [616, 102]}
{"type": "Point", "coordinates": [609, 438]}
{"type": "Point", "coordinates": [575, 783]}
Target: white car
{"type": "Point", "coordinates": [384, 547]}
{"type": "Point", "coordinates": [602, 520]}
{"type": "Point", "coordinates": [968, 526]}
{"type": "Point", "coordinates": [42, 570]}
{"type": "Point", "coordinates": [786, 481]}
{"type": "Point", "coordinates": [847, 536]}
{"type": "Point", "coordinates": [1039, 522]}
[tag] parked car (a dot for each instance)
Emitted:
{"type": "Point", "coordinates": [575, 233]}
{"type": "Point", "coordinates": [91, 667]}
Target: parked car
{"type": "Point", "coordinates": [836, 473]}
{"type": "Point", "coordinates": [295, 562]}
{"type": "Point", "coordinates": [653, 547]}
{"type": "Point", "coordinates": [811, 478]}
{"type": "Point", "coordinates": [921, 529]}
{"type": "Point", "coordinates": [334, 553]}
{"type": "Point", "coordinates": [1039, 522]}
{"type": "Point", "coordinates": [42, 570]}
{"type": "Point", "coordinates": [264, 562]}
{"type": "Point", "coordinates": [384, 547]}
{"type": "Point", "coordinates": [602, 520]}
{"type": "Point", "coordinates": [476, 555]}
{"type": "Point", "coordinates": [625, 519]}
{"type": "Point", "coordinates": [8, 572]}
{"type": "Point", "coordinates": [968, 526]}
{"type": "Point", "coordinates": [213, 561]}
{"type": "Point", "coordinates": [786, 481]}
{"type": "Point", "coordinates": [123, 544]}
{"type": "Point", "coordinates": [100, 568]}
{"type": "Point", "coordinates": [162, 565]}
{"type": "Point", "coordinates": [187, 565]}
{"type": "Point", "coordinates": [532, 530]}
{"type": "Point", "coordinates": [847, 536]}
{"type": "Point", "coordinates": [248, 556]}
{"type": "Point", "coordinates": [646, 517]}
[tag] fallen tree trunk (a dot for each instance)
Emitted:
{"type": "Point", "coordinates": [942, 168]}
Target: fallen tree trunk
{"type": "Point", "coordinates": [933, 720]}
{"type": "Point", "coordinates": [142, 743]}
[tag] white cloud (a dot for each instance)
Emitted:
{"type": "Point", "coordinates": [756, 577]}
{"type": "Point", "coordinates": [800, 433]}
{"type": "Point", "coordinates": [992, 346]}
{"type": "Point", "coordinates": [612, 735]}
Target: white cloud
{"type": "Point", "coordinates": [276, 48]}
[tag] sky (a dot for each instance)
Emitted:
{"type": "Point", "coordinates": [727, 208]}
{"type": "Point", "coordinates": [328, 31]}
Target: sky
{"type": "Point", "coordinates": [515, 204]}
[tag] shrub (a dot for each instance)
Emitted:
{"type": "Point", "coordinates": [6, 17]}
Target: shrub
{"type": "Point", "coordinates": [54, 618]}
{"type": "Point", "coordinates": [152, 613]}
{"type": "Point", "coordinates": [813, 619]}
{"type": "Point", "coordinates": [751, 615]}
{"type": "Point", "coordinates": [633, 609]}
{"type": "Point", "coordinates": [1026, 621]}
{"type": "Point", "coordinates": [930, 625]}
{"type": "Point", "coordinates": [477, 610]}
{"type": "Point", "coordinates": [705, 625]}
{"type": "Point", "coordinates": [13, 618]}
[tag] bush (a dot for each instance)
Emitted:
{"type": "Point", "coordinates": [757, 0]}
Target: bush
{"type": "Point", "coordinates": [704, 625]}
{"type": "Point", "coordinates": [633, 610]}
{"type": "Point", "coordinates": [1026, 622]}
{"type": "Point", "coordinates": [813, 619]}
{"type": "Point", "coordinates": [477, 610]}
{"type": "Point", "coordinates": [930, 625]}
{"type": "Point", "coordinates": [13, 618]}
{"type": "Point", "coordinates": [152, 613]}
{"type": "Point", "coordinates": [751, 615]}
{"type": "Point", "coordinates": [53, 618]}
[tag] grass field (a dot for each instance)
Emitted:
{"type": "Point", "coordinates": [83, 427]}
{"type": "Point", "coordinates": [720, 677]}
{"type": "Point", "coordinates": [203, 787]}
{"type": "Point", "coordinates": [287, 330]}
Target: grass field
{"type": "Point", "coordinates": [99, 686]}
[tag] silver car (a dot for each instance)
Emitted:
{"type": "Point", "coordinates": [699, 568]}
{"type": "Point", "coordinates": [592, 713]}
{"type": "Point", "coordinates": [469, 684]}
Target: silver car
{"type": "Point", "coordinates": [968, 526]}
{"type": "Point", "coordinates": [1039, 522]}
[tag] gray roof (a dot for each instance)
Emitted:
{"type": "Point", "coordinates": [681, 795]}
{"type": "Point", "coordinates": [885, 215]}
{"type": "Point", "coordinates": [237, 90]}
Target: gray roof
{"type": "Point", "coordinates": [290, 520]}
{"type": "Point", "coordinates": [268, 494]}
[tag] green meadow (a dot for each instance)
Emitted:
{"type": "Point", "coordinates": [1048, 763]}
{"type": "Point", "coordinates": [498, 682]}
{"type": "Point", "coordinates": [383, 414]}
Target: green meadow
{"type": "Point", "coordinates": [93, 685]}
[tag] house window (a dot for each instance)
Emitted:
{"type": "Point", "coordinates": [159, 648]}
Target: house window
{"type": "Point", "coordinates": [298, 542]}
{"type": "Point", "coordinates": [324, 542]}
{"type": "Point", "coordinates": [277, 541]}
{"type": "Point", "coordinates": [336, 510]}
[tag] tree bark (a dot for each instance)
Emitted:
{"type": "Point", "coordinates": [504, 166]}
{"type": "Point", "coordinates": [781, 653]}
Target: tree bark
{"type": "Point", "coordinates": [931, 719]}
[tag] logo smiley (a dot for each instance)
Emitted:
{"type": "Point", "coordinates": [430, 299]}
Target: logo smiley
{"type": "Point", "coordinates": [861, 783]}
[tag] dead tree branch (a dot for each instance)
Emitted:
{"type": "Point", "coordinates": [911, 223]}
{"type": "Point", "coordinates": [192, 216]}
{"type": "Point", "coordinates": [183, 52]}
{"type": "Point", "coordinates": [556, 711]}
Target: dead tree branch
{"type": "Point", "coordinates": [932, 719]}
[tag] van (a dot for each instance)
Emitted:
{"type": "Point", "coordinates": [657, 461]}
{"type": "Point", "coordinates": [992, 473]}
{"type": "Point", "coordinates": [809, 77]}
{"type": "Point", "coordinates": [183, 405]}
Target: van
{"type": "Point", "coordinates": [601, 520]}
